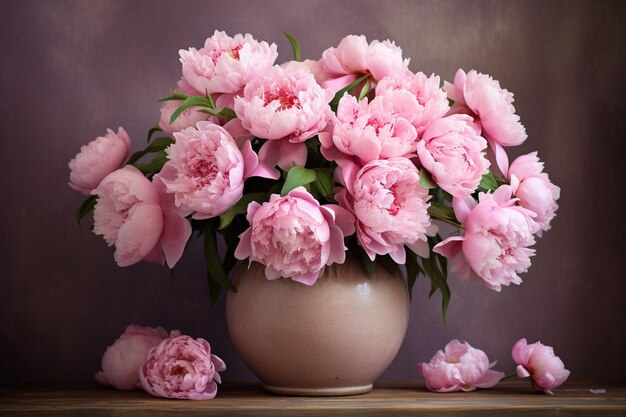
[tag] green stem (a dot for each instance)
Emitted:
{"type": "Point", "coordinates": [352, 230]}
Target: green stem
{"type": "Point", "coordinates": [511, 375]}
{"type": "Point", "coordinates": [451, 222]}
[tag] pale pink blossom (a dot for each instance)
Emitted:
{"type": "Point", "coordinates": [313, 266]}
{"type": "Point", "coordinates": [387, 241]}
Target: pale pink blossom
{"type": "Point", "coordinates": [206, 170]}
{"type": "Point", "coordinates": [98, 159]}
{"type": "Point", "coordinates": [370, 131]}
{"type": "Point", "coordinates": [459, 367]}
{"type": "Point", "coordinates": [121, 361]}
{"type": "Point", "coordinates": [482, 97]}
{"type": "Point", "coordinates": [128, 214]}
{"type": "Point", "coordinates": [452, 150]}
{"type": "Point", "coordinates": [285, 105]}
{"type": "Point", "coordinates": [416, 97]}
{"type": "Point", "coordinates": [495, 242]}
{"type": "Point", "coordinates": [390, 206]}
{"type": "Point", "coordinates": [538, 361]}
{"type": "Point", "coordinates": [534, 190]}
{"type": "Point", "coordinates": [134, 215]}
{"type": "Point", "coordinates": [314, 67]}
{"type": "Point", "coordinates": [182, 86]}
{"type": "Point", "coordinates": [225, 64]}
{"type": "Point", "coordinates": [188, 118]}
{"type": "Point", "coordinates": [176, 229]}
{"type": "Point", "coordinates": [182, 368]}
{"type": "Point", "coordinates": [354, 57]}
{"type": "Point", "coordinates": [294, 236]}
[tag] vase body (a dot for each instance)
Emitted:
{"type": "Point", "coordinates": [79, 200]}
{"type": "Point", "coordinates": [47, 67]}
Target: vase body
{"type": "Point", "coordinates": [332, 338]}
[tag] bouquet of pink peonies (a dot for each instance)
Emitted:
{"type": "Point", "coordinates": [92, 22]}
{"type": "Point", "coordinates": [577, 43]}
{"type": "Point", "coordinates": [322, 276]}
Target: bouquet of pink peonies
{"type": "Point", "coordinates": [294, 165]}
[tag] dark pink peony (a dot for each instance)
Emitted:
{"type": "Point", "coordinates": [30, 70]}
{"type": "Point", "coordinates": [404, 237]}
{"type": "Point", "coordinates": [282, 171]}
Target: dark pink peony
{"type": "Point", "coordinates": [182, 368]}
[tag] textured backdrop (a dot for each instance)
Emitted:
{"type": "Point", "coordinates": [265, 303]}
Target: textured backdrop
{"type": "Point", "coordinates": [69, 70]}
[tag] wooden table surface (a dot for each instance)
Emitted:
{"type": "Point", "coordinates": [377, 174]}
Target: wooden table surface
{"type": "Point", "coordinates": [387, 399]}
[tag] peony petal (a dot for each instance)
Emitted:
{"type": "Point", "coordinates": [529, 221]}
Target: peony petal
{"type": "Point", "coordinates": [255, 168]}
{"type": "Point", "coordinates": [291, 154]}
{"type": "Point", "coordinates": [489, 379]}
{"type": "Point", "coordinates": [219, 364]}
{"type": "Point", "coordinates": [338, 83]}
{"type": "Point", "coordinates": [502, 159]}
{"type": "Point", "coordinates": [463, 207]}
{"type": "Point", "coordinates": [449, 247]}
{"type": "Point", "coordinates": [522, 372]}
{"type": "Point", "coordinates": [308, 278]}
{"type": "Point", "coordinates": [176, 233]}
{"type": "Point", "coordinates": [244, 249]}
{"type": "Point", "coordinates": [420, 247]}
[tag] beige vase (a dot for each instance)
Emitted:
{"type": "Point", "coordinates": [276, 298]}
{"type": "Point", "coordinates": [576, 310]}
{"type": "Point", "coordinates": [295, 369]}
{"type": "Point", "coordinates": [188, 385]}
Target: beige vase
{"type": "Point", "coordinates": [332, 338]}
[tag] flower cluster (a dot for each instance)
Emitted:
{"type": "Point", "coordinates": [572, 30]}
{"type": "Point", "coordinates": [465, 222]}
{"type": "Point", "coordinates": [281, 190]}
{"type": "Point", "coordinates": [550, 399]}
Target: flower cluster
{"type": "Point", "coordinates": [461, 367]}
{"type": "Point", "coordinates": [168, 366]}
{"type": "Point", "coordinates": [298, 163]}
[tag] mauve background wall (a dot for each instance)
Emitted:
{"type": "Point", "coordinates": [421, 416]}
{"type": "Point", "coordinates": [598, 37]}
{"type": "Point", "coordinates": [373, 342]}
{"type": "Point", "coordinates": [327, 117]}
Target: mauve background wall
{"type": "Point", "coordinates": [69, 70]}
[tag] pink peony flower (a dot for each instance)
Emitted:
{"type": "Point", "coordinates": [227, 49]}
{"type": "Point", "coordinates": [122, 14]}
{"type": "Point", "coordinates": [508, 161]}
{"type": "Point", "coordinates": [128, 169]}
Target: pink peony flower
{"type": "Point", "coordinates": [370, 131]}
{"type": "Point", "coordinates": [295, 237]}
{"type": "Point", "coordinates": [182, 86]}
{"type": "Point", "coordinates": [98, 159]}
{"type": "Point", "coordinates": [314, 67]}
{"type": "Point", "coordinates": [459, 367]}
{"type": "Point", "coordinates": [206, 170]}
{"type": "Point", "coordinates": [128, 214]}
{"type": "Point", "coordinates": [122, 360]}
{"type": "Point", "coordinates": [226, 64]}
{"type": "Point", "coordinates": [482, 97]}
{"type": "Point", "coordinates": [182, 368]}
{"type": "Point", "coordinates": [188, 118]}
{"type": "Point", "coordinates": [533, 188]}
{"type": "Point", "coordinates": [131, 214]}
{"type": "Point", "coordinates": [354, 57]}
{"type": "Point", "coordinates": [390, 206]}
{"type": "Point", "coordinates": [416, 97]}
{"type": "Point", "coordinates": [537, 361]}
{"type": "Point", "coordinates": [496, 239]}
{"type": "Point", "coordinates": [286, 105]}
{"type": "Point", "coordinates": [452, 150]}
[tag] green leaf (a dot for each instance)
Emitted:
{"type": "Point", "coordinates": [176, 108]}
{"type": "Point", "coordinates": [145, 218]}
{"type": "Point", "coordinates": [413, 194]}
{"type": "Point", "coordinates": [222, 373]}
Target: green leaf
{"type": "Point", "coordinates": [157, 145]}
{"type": "Point", "coordinates": [388, 263]}
{"type": "Point", "coordinates": [224, 113]}
{"type": "Point", "coordinates": [324, 184]}
{"type": "Point", "coordinates": [426, 180]}
{"type": "Point", "coordinates": [153, 166]}
{"type": "Point", "coordinates": [86, 208]}
{"type": "Point", "coordinates": [209, 99]}
{"type": "Point", "coordinates": [366, 89]}
{"type": "Point", "coordinates": [297, 177]}
{"type": "Point", "coordinates": [274, 189]}
{"type": "Point", "coordinates": [368, 265]}
{"type": "Point", "coordinates": [295, 45]}
{"type": "Point", "coordinates": [227, 114]}
{"type": "Point", "coordinates": [335, 101]}
{"type": "Point", "coordinates": [175, 96]}
{"type": "Point", "coordinates": [194, 101]}
{"type": "Point", "coordinates": [441, 211]}
{"type": "Point", "coordinates": [413, 269]}
{"type": "Point", "coordinates": [488, 182]}
{"type": "Point", "coordinates": [240, 207]}
{"type": "Point", "coordinates": [152, 131]}
{"type": "Point", "coordinates": [450, 102]}
{"type": "Point", "coordinates": [214, 289]}
{"type": "Point", "coordinates": [212, 260]}
{"type": "Point", "coordinates": [435, 268]}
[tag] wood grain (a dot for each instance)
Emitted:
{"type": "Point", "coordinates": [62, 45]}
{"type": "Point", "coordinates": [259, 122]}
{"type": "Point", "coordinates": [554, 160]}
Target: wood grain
{"type": "Point", "coordinates": [387, 399]}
